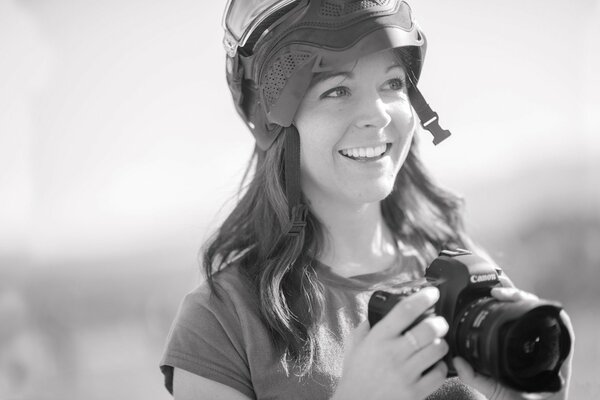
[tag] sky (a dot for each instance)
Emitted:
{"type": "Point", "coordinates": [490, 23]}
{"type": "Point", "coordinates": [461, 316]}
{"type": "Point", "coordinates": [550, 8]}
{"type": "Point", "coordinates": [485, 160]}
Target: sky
{"type": "Point", "coordinates": [117, 130]}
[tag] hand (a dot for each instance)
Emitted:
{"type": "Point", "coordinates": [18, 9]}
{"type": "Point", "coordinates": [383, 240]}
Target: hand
{"type": "Point", "coordinates": [492, 389]}
{"type": "Point", "coordinates": [380, 363]}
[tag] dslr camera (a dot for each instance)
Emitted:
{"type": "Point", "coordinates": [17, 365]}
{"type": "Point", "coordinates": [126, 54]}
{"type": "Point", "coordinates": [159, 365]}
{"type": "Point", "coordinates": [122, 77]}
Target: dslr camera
{"type": "Point", "coordinates": [521, 344]}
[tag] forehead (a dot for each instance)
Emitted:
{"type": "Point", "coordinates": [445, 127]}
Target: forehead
{"type": "Point", "coordinates": [381, 61]}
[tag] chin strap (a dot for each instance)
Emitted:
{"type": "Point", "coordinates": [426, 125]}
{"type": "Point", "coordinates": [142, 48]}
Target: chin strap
{"type": "Point", "coordinates": [297, 210]}
{"type": "Point", "coordinates": [429, 118]}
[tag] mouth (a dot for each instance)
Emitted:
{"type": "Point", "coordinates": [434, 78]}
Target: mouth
{"type": "Point", "coordinates": [366, 153]}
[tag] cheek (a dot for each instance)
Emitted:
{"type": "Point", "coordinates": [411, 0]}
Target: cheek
{"type": "Point", "coordinates": [405, 122]}
{"type": "Point", "coordinates": [315, 152]}
{"type": "Point", "coordinates": [318, 137]}
{"type": "Point", "coordinates": [405, 114]}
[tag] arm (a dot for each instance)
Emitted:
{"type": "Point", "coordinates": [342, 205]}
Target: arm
{"type": "Point", "coordinates": [189, 386]}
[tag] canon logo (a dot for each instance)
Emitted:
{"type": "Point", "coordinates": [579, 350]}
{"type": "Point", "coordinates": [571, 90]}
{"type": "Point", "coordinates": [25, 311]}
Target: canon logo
{"type": "Point", "coordinates": [483, 278]}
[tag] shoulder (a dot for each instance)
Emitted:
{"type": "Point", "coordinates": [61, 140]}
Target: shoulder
{"type": "Point", "coordinates": [213, 332]}
{"type": "Point", "coordinates": [212, 316]}
{"type": "Point", "coordinates": [230, 294]}
{"type": "Point", "coordinates": [229, 281]}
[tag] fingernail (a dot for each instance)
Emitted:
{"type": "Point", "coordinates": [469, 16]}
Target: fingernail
{"type": "Point", "coordinates": [432, 292]}
{"type": "Point", "coordinates": [440, 325]}
{"type": "Point", "coordinates": [443, 324]}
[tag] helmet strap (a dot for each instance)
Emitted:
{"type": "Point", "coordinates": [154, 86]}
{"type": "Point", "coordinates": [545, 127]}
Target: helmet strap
{"type": "Point", "coordinates": [297, 210]}
{"type": "Point", "coordinates": [429, 118]}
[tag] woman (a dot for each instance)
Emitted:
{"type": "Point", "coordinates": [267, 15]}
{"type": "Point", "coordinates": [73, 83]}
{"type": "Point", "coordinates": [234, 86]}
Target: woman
{"type": "Point", "coordinates": [337, 205]}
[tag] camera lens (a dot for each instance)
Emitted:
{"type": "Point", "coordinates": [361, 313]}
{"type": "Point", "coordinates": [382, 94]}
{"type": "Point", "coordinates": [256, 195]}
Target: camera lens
{"type": "Point", "coordinates": [473, 332]}
{"type": "Point", "coordinates": [533, 346]}
{"type": "Point", "coordinates": [522, 344]}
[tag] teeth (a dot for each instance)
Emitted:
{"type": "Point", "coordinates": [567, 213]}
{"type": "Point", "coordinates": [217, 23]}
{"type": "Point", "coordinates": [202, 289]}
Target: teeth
{"type": "Point", "coordinates": [363, 152]}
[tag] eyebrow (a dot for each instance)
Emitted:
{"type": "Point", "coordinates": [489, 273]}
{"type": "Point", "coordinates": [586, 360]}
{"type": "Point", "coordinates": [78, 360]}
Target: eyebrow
{"type": "Point", "coordinates": [391, 67]}
{"type": "Point", "coordinates": [323, 76]}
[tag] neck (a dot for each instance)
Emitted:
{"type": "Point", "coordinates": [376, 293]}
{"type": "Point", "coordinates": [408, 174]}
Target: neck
{"type": "Point", "coordinates": [357, 240]}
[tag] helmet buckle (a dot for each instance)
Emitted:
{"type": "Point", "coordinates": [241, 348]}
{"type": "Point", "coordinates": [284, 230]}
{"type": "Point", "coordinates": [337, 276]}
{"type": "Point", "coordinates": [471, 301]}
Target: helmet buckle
{"type": "Point", "coordinates": [297, 220]}
{"type": "Point", "coordinates": [433, 126]}
{"type": "Point", "coordinates": [429, 118]}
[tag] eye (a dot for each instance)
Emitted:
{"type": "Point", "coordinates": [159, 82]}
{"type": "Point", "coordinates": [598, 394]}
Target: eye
{"type": "Point", "coordinates": [395, 84]}
{"type": "Point", "coordinates": [338, 91]}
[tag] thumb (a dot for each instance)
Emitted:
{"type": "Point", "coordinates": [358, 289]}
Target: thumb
{"type": "Point", "coordinates": [464, 370]}
{"type": "Point", "coordinates": [467, 374]}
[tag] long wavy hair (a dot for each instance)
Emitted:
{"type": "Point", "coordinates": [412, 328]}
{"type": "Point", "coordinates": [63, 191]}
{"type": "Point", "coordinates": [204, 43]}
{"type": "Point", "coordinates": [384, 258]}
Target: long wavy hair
{"type": "Point", "coordinates": [280, 267]}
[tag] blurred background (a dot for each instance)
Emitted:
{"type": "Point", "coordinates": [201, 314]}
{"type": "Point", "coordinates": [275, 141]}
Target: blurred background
{"type": "Point", "coordinates": [120, 152]}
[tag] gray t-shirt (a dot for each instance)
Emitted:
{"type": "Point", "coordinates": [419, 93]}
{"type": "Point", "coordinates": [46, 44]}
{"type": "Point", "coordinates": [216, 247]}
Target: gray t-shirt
{"type": "Point", "coordinates": [225, 339]}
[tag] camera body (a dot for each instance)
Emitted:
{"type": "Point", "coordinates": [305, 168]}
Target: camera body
{"type": "Point", "coordinates": [522, 344]}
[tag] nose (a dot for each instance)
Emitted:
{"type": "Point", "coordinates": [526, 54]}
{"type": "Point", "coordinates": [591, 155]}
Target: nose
{"type": "Point", "coordinates": [372, 112]}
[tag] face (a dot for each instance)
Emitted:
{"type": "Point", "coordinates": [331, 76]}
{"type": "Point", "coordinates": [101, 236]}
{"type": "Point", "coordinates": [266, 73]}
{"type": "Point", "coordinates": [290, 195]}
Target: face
{"type": "Point", "coordinates": [356, 126]}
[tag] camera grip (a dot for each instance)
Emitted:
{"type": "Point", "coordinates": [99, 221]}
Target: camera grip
{"type": "Point", "coordinates": [382, 302]}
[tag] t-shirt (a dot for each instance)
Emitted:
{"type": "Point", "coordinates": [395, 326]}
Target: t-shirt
{"type": "Point", "coordinates": [225, 340]}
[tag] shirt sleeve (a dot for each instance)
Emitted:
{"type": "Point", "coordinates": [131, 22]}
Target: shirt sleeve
{"type": "Point", "coordinates": [206, 339]}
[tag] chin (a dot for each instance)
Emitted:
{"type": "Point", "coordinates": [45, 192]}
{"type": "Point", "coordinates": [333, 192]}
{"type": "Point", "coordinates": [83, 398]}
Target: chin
{"type": "Point", "coordinates": [375, 192]}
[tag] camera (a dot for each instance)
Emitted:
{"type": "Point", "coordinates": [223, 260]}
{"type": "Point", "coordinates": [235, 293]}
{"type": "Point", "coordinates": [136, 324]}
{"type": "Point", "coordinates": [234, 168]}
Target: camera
{"type": "Point", "coordinates": [521, 344]}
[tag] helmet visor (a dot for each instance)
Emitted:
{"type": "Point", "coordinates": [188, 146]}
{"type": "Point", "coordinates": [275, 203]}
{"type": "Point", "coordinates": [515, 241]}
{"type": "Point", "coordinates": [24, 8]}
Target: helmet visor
{"type": "Point", "coordinates": [242, 17]}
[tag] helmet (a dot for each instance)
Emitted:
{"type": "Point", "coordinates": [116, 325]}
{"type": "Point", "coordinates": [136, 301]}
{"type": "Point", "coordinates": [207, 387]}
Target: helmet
{"type": "Point", "coordinates": [275, 46]}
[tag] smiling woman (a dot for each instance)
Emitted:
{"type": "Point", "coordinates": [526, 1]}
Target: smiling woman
{"type": "Point", "coordinates": [338, 204]}
{"type": "Point", "coordinates": [355, 132]}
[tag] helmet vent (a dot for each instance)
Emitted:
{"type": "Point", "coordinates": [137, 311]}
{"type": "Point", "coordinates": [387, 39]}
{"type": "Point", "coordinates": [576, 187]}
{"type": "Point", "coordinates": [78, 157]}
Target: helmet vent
{"type": "Point", "coordinates": [279, 72]}
{"type": "Point", "coordinates": [340, 8]}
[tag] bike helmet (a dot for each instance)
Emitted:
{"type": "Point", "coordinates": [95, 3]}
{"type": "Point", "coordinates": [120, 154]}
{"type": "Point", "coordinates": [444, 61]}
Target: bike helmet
{"type": "Point", "coordinates": [275, 46]}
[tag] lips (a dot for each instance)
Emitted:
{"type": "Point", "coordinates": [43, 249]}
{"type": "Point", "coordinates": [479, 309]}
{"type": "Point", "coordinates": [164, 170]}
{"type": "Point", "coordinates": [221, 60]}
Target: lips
{"type": "Point", "coordinates": [366, 153]}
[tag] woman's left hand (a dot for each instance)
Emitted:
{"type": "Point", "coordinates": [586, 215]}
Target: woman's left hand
{"type": "Point", "coordinates": [492, 389]}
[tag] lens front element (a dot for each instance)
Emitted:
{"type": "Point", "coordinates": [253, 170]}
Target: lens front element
{"type": "Point", "coordinates": [521, 344]}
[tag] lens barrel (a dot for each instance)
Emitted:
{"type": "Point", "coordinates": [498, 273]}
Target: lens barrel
{"type": "Point", "coordinates": [521, 344]}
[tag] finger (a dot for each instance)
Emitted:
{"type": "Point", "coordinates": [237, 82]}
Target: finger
{"type": "Point", "coordinates": [464, 370]}
{"type": "Point", "coordinates": [505, 281]}
{"type": "Point", "coordinates": [432, 380]}
{"type": "Point", "coordinates": [409, 343]}
{"type": "Point", "coordinates": [426, 335]}
{"type": "Point", "coordinates": [566, 368]}
{"type": "Point", "coordinates": [426, 331]}
{"type": "Point", "coordinates": [422, 335]}
{"type": "Point", "coordinates": [567, 321]}
{"type": "Point", "coordinates": [403, 314]}
{"type": "Point", "coordinates": [426, 357]}
{"type": "Point", "coordinates": [512, 294]}
{"type": "Point", "coordinates": [467, 374]}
